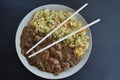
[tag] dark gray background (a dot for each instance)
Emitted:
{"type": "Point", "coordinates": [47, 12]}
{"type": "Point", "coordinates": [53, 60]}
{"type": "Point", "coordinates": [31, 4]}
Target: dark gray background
{"type": "Point", "coordinates": [104, 61]}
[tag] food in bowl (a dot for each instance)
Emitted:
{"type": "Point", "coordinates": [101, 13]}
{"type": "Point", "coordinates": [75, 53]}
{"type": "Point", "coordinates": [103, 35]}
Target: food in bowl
{"type": "Point", "coordinates": [63, 55]}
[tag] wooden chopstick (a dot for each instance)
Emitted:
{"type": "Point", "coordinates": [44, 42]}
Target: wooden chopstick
{"type": "Point", "coordinates": [57, 28]}
{"type": "Point", "coordinates": [90, 24]}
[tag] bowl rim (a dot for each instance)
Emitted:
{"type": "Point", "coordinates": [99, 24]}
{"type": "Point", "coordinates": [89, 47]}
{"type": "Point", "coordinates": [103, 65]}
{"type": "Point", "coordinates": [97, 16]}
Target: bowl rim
{"type": "Point", "coordinates": [20, 54]}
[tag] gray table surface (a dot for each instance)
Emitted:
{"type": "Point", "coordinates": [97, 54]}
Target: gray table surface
{"type": "Point", "coordinates": [104, 61]}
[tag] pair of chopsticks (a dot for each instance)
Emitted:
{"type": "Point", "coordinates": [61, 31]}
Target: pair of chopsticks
{"type": "Point", "coordinates": [73, 33]}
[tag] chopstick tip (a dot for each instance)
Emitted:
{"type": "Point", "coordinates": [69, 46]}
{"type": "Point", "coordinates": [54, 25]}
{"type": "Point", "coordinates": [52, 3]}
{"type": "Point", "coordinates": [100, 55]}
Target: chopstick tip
{"type": "Point", "coordinates": [27, 52]}
{"type": "Point", "coordinates": [29, 56]}
{"type": "Point", "coordinates": [98, 19]}
{"type": "Point", "coordinates": [86, 4]}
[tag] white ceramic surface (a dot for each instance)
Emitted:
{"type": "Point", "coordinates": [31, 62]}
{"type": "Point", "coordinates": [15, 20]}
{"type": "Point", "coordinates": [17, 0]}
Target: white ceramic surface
{"type": "Point", "coordinates": [33, 69]}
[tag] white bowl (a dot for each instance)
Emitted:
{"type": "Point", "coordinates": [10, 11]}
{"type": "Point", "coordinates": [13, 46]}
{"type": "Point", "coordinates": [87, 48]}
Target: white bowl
{"type": "Point", "coordinates": [33, 69]}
